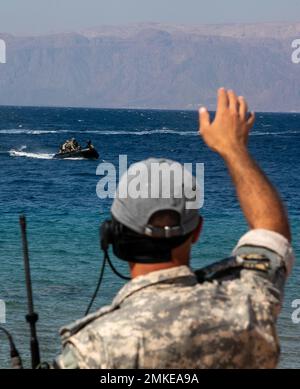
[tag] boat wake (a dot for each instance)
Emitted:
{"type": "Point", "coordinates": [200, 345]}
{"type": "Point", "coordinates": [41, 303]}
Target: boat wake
{"type": "Point", "coordinates": [73, 159]}
{"type": "Point", "coordinates": [22, 153]}
{"type": "Point", "coordinates": [25, 154]}
{"type": "Point", "coordinates": [15, 153]}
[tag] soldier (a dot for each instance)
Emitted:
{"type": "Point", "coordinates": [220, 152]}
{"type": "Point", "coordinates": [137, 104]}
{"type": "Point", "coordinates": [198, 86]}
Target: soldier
{"type": "Point", "coordinates": [67, 146]}
{"type": "Point", "coordinates": [89, 145]}
{"type": "Point", "coordinates": [72, 144]}
{"type": "Point", "coordinates": [165, 318]}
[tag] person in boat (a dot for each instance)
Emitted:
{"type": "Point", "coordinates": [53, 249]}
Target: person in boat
{"type": "Point", "coordinates": [165, 317]}
{"type": "Point", "coordinates": [75, 145]}
{"type": "Point", "coordinates": [69, 146]}
{"type": "Point", "coordinates": [89, 145]}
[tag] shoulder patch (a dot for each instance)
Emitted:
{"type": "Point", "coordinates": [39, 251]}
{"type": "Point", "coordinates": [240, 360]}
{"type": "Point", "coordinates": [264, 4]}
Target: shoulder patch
{"type": "Point", "coordinates": [254, 261]}
{"type": "Point", "coordinates": [233, 265]}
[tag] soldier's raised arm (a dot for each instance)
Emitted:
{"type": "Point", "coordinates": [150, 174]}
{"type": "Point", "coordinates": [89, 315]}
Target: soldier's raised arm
{"type": "Point", "coordinates": [265, 250]}
{"type": "Point", "coordinates": [228, 136]}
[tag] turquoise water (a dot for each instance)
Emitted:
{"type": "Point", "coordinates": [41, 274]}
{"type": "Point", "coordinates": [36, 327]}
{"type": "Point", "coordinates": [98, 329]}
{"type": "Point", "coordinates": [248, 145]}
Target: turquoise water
{"type": "Point", "coordinates": [64, 213]}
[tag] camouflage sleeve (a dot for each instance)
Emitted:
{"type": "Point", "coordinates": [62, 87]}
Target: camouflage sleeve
{"type": "Point", "coordinates": [270, 259]}
{"type": "Point", "coordinates": [275, 251]}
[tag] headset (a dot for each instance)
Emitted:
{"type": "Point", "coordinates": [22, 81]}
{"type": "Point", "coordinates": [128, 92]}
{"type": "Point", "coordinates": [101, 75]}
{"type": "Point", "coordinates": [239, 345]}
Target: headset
{"type": "Point", "coordinates": [155, 246]}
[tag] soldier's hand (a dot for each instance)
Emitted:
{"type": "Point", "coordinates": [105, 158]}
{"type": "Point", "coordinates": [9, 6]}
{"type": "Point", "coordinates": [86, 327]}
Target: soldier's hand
{"type": "Point", "coordinates": [230, 129]}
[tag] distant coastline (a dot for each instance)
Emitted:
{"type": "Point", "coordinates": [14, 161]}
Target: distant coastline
{"type": "Point", "coordinates": [153, 66]}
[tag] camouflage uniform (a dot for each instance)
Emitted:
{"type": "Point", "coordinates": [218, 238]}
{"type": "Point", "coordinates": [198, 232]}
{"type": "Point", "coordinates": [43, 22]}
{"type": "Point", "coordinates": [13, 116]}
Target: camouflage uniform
{"type": "Point", "coordinates": [166, 319]}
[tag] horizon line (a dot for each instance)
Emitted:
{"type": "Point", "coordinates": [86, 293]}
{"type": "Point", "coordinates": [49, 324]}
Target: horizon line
{"type": "Point", "coordinates": [132, 108]}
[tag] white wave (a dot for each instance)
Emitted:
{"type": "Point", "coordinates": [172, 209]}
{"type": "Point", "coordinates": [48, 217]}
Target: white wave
{"type": "Point", "coordinates": [163, 130]}
{"type": "Point", "coordinates": [32, 132]}
{"type": "Point", "coordinates": [19, 153]}
{"type": "Point", "coordinates": [14, 131]}
{"type": "Point", "coordinates": [144, 132]}
{"type": "Point", "coordinates": [288, 132]}
{"type": "Point", "coordinates": [73, 159]}
{"type": "Point", "coordinates": [100, 132]}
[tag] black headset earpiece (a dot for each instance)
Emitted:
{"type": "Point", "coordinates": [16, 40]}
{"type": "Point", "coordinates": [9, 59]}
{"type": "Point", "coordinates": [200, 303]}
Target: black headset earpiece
{"type": "Point", "coordinates": [109, 235]}
{"type": "Point", "coordinates": [106, 234]}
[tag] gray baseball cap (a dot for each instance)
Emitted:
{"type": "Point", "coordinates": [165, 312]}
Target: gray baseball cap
{"type": "Point", "coordinates": [156, 185]}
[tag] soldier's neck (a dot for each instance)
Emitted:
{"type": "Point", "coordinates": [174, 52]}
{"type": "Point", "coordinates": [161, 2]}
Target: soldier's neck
{"type": "Point", "coordinates": [139, 269]}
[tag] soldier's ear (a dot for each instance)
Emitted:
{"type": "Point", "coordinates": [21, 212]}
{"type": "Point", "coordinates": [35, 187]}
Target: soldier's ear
{"type": "Point", "coordinates": [198, 230]}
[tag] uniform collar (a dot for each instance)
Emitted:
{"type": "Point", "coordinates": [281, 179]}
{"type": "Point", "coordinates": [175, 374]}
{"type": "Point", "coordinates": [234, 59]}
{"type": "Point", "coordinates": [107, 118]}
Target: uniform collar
{"type": "Point", "coordinates": [176, 274]}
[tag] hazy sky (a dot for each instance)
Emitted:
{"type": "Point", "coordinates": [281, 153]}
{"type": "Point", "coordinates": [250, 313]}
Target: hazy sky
{"type": "Point", "coordinates": [44, 16]}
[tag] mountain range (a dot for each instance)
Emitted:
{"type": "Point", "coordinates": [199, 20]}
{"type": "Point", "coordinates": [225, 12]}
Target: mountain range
{"type": "Point", "coordinates": [153, 66]}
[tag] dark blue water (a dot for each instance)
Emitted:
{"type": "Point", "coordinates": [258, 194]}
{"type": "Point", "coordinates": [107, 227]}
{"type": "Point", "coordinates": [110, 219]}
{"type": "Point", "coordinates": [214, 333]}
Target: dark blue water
{"type": "Point", "coordinates": [63, 211]}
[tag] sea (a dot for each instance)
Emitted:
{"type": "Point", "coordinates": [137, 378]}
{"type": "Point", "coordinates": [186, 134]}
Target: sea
{"type": "Point", "coordinates": [64, 212]}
